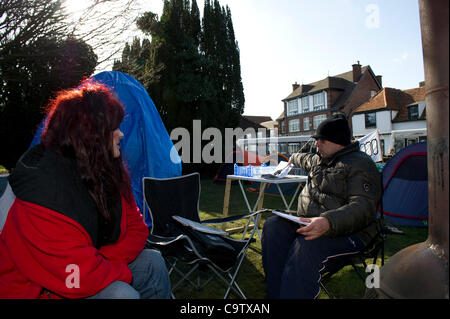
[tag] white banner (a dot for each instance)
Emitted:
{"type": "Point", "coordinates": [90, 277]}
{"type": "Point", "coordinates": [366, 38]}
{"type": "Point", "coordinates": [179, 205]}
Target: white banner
{"type": "Point", "coordinates": [370, 144]}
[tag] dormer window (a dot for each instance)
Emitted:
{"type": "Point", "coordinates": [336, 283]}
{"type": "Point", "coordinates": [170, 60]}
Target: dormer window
{"type": "Point", "coordinates": [371, 120]}
{"type": "Point", "coordinates": [413, 112]}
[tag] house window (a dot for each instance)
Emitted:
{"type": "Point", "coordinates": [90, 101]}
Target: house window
{"type": "Point", "coordinates": [283, 127]}
{"type": "Point", "coordinates": [306, 124]}
{"type": "Point", "coordinates": [292, 107]}
{"type": "Point", "coordinates": [371, 120]}
{"type": "Point", "coordinates": [293, 148]}
{"type": "Point", "coordinates": [319, 101]}
{"type": "Point", "coordinates": [305, 104]}
{"type": "Point", "coordinates": [413, 112]}
{"type": "Point", "coordinates": [318, 119]}
{"type": "Point", "coordinates": [294, 125]}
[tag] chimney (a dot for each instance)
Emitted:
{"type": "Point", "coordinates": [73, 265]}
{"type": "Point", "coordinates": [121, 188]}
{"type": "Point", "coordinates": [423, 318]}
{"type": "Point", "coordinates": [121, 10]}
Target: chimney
{"type": "Point", "coordinates": [295, 86]}
{"type": "Point", "coordinates": [379, 79]}
{"type": "Point", "coordinates": [356, 71]}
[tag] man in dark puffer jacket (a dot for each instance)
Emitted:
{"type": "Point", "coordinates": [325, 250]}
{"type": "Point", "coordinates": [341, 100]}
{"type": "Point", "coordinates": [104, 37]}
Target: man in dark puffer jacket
{"type": "Point", "coordinates": [339, 202]}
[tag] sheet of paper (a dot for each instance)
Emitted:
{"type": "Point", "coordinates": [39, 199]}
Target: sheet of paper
{"type": "Point", "coordinates": [295, 219]}
{"type": "Point", "coordinates": [281, 165]}
{"type": "Point", "coordinates": [285, 170]}
{"type": "Point", "coordinates": [280, 171]}
{"type": "Point", "coordinates": [198, 226]}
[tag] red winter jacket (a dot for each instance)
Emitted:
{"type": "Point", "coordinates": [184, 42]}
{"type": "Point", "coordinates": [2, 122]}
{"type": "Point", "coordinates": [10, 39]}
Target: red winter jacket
{"type": "Point", "coordinates": [55, 240]}
{"type": "Point", "coordinates": [40, 248]}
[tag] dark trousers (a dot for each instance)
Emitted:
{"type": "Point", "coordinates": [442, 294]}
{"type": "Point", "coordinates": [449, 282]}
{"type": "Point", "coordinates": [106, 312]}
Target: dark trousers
{"type": "Point", "coordinates": [293, 265]}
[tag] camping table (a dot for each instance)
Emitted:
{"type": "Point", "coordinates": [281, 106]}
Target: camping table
{"type": "Point", "coordinates": [260, 200]}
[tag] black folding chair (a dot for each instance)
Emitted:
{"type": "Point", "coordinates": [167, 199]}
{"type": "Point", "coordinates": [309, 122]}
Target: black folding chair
{"type": "Point", "coordinates": [180, 235]}
{"type": "Point", "coordinates": [372, 250]}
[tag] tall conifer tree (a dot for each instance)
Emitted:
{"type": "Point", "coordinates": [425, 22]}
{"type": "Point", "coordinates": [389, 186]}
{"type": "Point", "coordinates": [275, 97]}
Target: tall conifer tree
{"type": "Point", "coordinates": [222, 53]}
{"type": "Point", "coordinates": [192, 67]}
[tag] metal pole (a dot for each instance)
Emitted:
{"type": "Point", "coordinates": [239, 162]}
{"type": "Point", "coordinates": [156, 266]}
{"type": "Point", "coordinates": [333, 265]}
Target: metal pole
{"type": "Point", "coordinates": [421, 270]}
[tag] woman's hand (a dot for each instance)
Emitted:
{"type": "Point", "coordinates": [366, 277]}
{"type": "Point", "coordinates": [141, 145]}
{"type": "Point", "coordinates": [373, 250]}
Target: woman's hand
{"type": "Point", "coordinates": [317, 227]}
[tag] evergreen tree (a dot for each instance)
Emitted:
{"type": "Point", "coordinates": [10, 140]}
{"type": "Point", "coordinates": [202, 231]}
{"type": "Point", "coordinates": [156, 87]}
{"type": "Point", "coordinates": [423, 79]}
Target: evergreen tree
{"type": "Point", "coordinates": [221, 51]}
{"type": "Point", "coordinates": [174, 75]}
{"type": "Point", "coordinates": [194, 26]}
{"type": "Point", "coordinates": [190, 67]}
{"type": "Point", "coordinates": [236, 87]}
{"type": "Point", "coordinates": [134, 58]}
{"type": "Point", "coordinates": [29, 80]}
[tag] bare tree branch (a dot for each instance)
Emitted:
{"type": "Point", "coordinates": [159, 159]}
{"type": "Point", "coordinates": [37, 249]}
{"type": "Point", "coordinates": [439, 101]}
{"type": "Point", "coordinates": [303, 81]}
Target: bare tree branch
{"type": "Point", "coordinates": [106, 25]}
{"type": "Point", "coordinates": [22, 22]}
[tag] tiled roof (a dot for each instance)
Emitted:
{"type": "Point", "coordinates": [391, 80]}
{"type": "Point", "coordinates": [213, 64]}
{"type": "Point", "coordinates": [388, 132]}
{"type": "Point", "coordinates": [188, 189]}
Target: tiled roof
{"type": "Point", "coordinates": [341, 81]}
{"type": "Point", "coordinates": [343, 98]}
{"type": "Point", "coordinates": [411, 96]}
{"type": "Point", "coordinates": [245, 123]}
{"type": "Point", "coordinates": [378, 101]}
{"type": "Point", "coordinates": [418, 94]}
{"type": "Point", "coordinates": [393, 99]}
{"type": "Point", "coordinates": [253, 121]}
{"type": "Point", "coordinates": [257, 119]}
{"type": "Point", "coordinates": [269, 124]}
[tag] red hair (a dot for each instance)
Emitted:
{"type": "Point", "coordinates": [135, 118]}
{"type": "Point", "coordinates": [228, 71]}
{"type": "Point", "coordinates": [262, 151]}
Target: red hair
{"type": "Point", "coordinates": [80, 125]}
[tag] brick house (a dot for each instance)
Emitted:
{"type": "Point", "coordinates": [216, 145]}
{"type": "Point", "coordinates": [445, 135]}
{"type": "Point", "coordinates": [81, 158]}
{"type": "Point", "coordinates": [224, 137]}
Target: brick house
{"type": "Point", "coordinates": [309, 104]}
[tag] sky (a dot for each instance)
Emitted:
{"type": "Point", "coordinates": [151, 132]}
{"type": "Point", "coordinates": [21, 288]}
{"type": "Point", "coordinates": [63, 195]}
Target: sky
{"type": "Point", "coordinates": [282, 42]}
{"type": "Point", "coordinates": [286, 41]}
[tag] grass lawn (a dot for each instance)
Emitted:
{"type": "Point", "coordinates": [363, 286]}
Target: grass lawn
{"type": "Point", "coordinates": [345, 284]}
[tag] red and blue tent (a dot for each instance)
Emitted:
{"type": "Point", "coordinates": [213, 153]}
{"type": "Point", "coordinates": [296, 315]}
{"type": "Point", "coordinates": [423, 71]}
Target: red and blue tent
{"type": "Point", "coordinates": [405, 184]}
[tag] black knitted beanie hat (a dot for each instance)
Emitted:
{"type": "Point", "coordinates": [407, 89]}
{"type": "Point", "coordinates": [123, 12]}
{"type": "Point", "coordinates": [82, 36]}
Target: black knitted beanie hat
{"type": "Point", "coordinates": [334, 129]}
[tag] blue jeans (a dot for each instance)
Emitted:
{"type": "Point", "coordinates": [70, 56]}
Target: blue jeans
{"type": "Point", "coordinates": [150, 280]}
{"type": "Point", "coordinates": [293, 265]}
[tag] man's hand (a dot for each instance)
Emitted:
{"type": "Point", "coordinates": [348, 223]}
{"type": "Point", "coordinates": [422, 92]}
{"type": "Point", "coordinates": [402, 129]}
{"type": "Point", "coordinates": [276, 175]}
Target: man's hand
{"type": "Point", "coordinates": [317, 227]}
{"type": "Point", "coordinates": [291, 160]}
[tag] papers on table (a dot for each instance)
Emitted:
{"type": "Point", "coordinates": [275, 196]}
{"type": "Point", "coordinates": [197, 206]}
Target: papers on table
{"type": "Point", "coordinates": [295, 219]}
{"type": "Point", "coordinates": [281, 170]}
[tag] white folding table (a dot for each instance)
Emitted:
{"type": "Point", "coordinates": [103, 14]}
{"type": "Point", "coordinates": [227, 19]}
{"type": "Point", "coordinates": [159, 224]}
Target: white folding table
{"type": "Point", "coordinates": [260, 200]}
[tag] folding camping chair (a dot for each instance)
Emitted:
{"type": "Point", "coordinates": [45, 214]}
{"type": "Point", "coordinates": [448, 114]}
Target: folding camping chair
{"type": "Point", "coordinates": [7, 198]}
{"type": "Point", "coordinates": [180, 235]}
{"type": "Point", "coordinates": [372, 250]}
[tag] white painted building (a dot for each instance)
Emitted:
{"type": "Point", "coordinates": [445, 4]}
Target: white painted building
{"type": "Point", "coordinates": [398, 115]}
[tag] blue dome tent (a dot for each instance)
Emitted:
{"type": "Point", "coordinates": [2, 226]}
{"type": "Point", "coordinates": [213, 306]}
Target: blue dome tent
{"type": "Point", "coordinates": [146, 146]}
{"type": "Point", "coordinates": [405, 184]}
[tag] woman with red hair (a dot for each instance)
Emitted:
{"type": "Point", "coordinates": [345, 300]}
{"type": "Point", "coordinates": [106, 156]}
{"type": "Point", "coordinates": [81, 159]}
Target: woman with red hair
{"type": "Point", "coordinates": [73, 229]}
